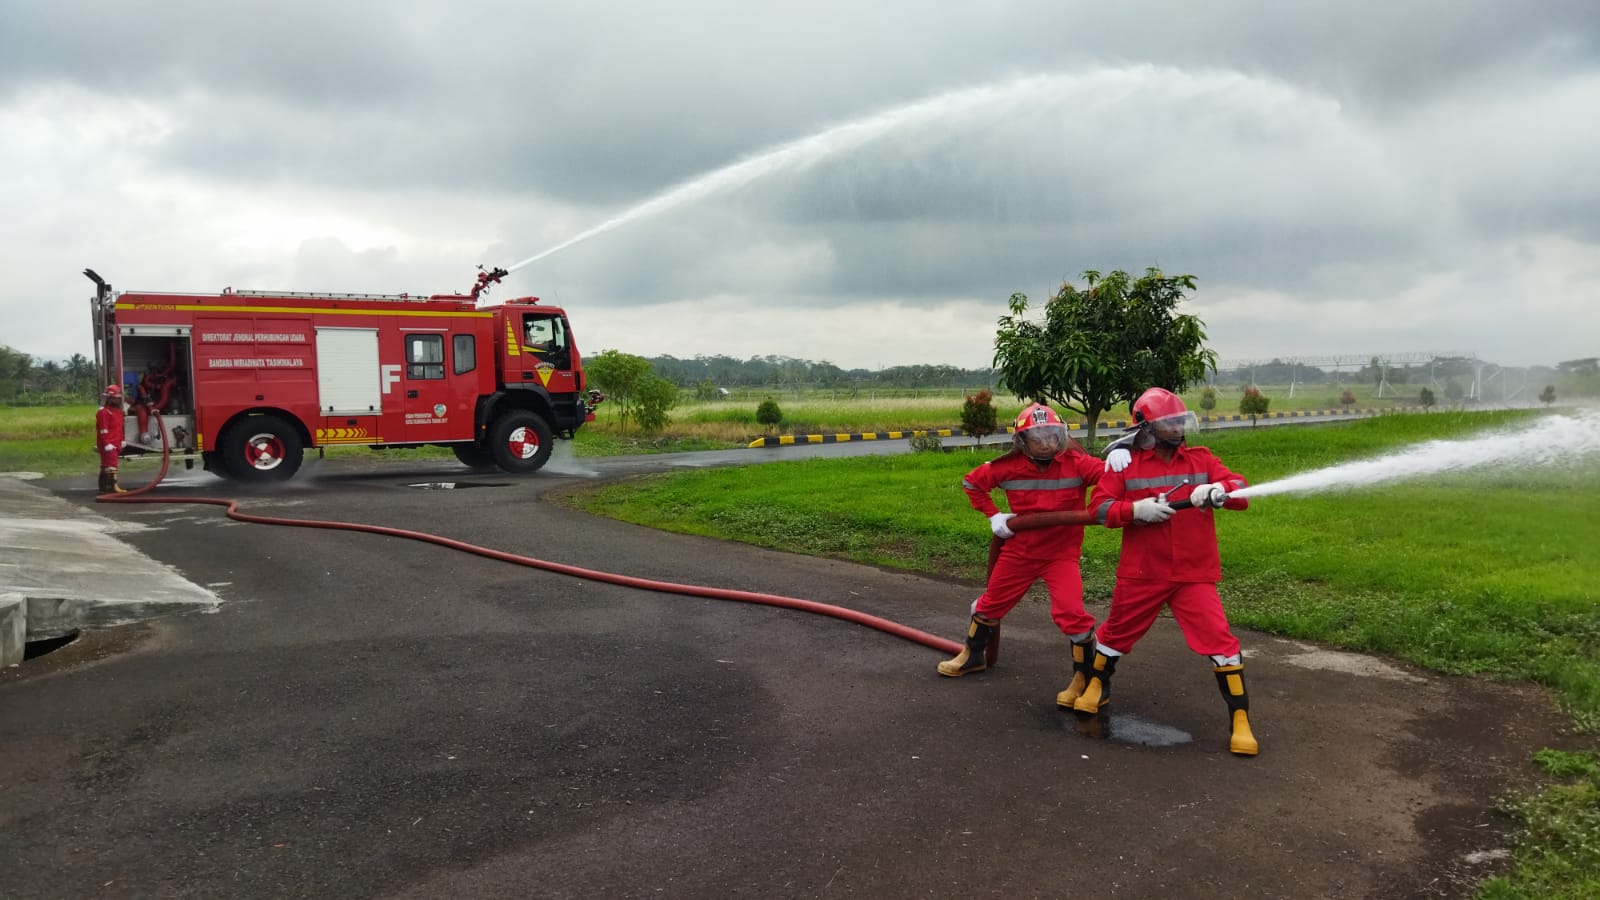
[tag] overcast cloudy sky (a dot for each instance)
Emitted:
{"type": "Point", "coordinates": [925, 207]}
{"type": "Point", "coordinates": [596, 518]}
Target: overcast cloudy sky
{"type": "Point", "coordinates": [1341, 177]}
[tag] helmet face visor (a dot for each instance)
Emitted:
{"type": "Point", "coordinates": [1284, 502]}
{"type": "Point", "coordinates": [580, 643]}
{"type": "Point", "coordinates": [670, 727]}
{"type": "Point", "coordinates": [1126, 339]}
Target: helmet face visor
{"type": "Point", "coordinates": [1042, 442]}
{"type": "Point", "coordinates": [1171, 430]}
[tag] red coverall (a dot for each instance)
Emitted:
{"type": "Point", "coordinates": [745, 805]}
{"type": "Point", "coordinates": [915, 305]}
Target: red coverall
{"type": "Point", "coordinates": [1048, 553]}
{"type": "Point", "coordinates": [108, 423]}
{"type": "Point", "coordinates": [155, 389]}
{"type": "Point", "coordinates": [1174, 563]}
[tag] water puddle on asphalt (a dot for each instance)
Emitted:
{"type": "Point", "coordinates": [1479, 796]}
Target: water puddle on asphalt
{"type": "Point", "coordinates": [451, 485]}
{"type": "Point", "coordinates": [1126, 729]}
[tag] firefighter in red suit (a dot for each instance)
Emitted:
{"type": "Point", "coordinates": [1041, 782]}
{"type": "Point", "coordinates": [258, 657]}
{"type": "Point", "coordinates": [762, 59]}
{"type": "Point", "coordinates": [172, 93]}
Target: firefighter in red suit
{"type": "Point", "coordinates": [154, 392]}
{"type": "Point", "coordinates": [1045, 471]}
{"type": "Point", "coordinates": [108, 423]}
{"type": "Point", "coordinates": [1168, 558]}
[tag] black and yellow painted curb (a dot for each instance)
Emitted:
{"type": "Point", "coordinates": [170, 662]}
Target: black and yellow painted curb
{"type": "Point", "coordinates": [785, 440]}
{"type": "Point", "coordinates": [1307, 414]}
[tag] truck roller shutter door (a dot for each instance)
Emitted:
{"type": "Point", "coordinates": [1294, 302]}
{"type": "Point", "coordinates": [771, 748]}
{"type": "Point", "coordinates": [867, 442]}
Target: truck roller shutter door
{"type": "Point", "coordinates": [349, 382]}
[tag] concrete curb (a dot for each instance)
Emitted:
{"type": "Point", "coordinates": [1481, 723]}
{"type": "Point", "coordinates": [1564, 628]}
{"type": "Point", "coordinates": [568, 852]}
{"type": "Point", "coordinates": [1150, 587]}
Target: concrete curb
{"type": "Point", "coordinates": [788, 439]}
{"type": "Point", "coordinates": [53, 618]}
{"type": "Point", "coordinates": [13, 629]}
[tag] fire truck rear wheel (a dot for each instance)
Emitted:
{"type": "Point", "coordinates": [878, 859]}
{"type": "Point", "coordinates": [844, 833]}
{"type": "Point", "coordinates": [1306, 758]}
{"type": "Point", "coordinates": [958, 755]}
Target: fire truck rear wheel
{"type": "Point", "coordinates": [262, 448]}
{"type": "Point", "coordinates": [520, 442]}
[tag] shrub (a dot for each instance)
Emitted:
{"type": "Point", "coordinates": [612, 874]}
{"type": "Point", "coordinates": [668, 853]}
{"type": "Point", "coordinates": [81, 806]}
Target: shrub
{"type": "Point", "coordinates": [1347, 398]}
{"type": "Point", "coordinates": [925, 442]}
{"type": "Point", "coordinates": [1253, 403]}
{"type": "Point", "coordinates": [653, 397]}
{"type": "Point", "coordinates": [1548, 395]}
{"type": "Point", "coordinates": [1208, 398]}
{"type": "Point", "coordinates": [1426, 398]}
{"type": "Point", "coordinates": [978, 416]}
{"type": "Point", "coordinates": [769, 414]}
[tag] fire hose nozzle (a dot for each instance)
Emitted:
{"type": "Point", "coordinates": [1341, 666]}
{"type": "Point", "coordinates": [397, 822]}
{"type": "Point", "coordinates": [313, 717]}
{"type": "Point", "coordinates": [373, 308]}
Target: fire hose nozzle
{"type": "Point", "coordinates": [1218, 498]}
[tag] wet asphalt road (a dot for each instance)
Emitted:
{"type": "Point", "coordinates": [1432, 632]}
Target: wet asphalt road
{"type": "Point", "coordinates": [367, 716]}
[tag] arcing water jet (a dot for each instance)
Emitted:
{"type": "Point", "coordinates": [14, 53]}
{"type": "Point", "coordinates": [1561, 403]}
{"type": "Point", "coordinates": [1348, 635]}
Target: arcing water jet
{"type": "Point", "coordinates": [811, 149]}
{"type": "Point", "coordinates": [1032, 95]}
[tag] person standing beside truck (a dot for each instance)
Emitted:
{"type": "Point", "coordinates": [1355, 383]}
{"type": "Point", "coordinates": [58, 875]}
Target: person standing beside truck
{"type": "Point", "coordinates": [109, 422]}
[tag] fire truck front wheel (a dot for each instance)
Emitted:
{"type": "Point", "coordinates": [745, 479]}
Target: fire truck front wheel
{"type": "Point", "coordinates": [520, 441]}
{"type": "Point", "coordinates": [262, 448]}
{"type": "Point", "coordinates": [474, 457]}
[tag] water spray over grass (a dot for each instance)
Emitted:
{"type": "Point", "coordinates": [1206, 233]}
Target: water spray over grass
{"type": "Point", "coordinates": [1554, 440]}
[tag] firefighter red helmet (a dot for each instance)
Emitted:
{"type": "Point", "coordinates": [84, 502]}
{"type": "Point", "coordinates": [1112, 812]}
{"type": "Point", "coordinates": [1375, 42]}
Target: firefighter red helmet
{"type": "Point", "coordinates": [1039, 433]}
{"type": "Point", "coordinates": [1161, 418]}
{"type": "Point", "coordinates": [1157, 403]}
{"type": "Point", "coordinates": [114, 390]}
{"type": "Point", "coordinates": [1035, 415]}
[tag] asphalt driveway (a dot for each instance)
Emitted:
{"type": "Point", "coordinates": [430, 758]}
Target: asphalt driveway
{"type": "Point", "coordinates": [368, 716]}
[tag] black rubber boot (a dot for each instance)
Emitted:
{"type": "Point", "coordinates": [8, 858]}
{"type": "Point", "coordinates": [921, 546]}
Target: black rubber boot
{"type": "Point", "coordinates": [1231, 680]}
{"type": "Point", "coordinates": [971, 657]}
{"type": "Point", "coordinates": [108, 482]}
{"type": "Point", "coordinates": [1097, 693]}
{"type": "Point", "coordinates": [1082, 655]}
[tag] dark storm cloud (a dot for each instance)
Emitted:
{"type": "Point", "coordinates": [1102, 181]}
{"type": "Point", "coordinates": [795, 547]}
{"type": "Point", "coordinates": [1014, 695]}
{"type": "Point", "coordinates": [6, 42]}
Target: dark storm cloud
{"type": "Point", "coordinates": [598, 103]}
{"type": "Point", "coordinates": [306, 52]}
{"type": "Point", "coordinates": [1314, 151]}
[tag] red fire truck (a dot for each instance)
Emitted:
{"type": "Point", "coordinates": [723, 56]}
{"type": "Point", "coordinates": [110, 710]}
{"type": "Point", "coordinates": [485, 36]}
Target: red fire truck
{"type": "Point", "coordinates": [247, 380]}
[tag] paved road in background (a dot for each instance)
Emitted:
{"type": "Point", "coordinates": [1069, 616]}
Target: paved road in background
{"type": "Point", "coordinates": [366, 716]}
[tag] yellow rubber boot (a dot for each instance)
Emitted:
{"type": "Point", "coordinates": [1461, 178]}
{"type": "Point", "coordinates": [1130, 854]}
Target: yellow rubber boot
{"type": "Point", "coordinates": [1097, 693]}
{"type": "Point", "coordinates": [1231, 680]}
{"type": "Point", "coordinates": [970, 659]}
{"type": "Point", "coordinates": [1081, 652]}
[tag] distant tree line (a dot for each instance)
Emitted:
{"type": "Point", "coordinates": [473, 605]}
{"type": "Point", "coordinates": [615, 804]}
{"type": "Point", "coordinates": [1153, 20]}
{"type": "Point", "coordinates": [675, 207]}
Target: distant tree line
{"type": "Point", "coordinates": [1452, 374]}
{"type": "Point", "coordinates": [781, 371]}
{"type": "Point", "coordinates": [25, 381]}
{"type": "Point", "coordinates": [1278, 371]}
{"type": "Point", "coordinates": [28, 381]}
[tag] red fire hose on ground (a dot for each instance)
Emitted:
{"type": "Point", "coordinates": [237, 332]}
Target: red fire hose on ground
{"type": "Point", "coordinates": [1016, 523]}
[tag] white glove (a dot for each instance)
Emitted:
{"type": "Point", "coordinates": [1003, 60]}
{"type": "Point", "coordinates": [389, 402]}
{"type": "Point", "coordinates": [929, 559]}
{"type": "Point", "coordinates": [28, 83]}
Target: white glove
{"type": "Point", "coordinates": [1206, 495]}
{"type": "Point", "coordinates": [1151, 511]}
{"type": "Point", "coordinates": [1118, 459]}
{"type": "Point", "coordinates": [997, 524]}
{"type": "Point", "coordinates": [108, 448]}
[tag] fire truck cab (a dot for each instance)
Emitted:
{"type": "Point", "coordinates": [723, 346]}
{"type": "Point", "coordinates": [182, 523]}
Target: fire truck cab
{"type": "Point", "coordinates": [246, 381]}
